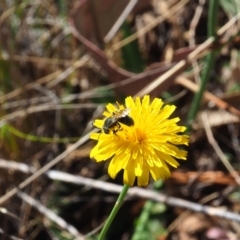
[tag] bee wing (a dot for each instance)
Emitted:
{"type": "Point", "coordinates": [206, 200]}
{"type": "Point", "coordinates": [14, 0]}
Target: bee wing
{"type": "Point", "coordinates": [125, 112]}
{"type": "Point", "coordinates": [121, 113]}
{"type": "Point", "coordinates": [115, 117]}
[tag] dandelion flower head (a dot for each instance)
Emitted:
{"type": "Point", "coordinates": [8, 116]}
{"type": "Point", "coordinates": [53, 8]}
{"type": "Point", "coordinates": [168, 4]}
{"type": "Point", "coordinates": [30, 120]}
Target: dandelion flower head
{"type": "Point", "coordinates": [145, 147]}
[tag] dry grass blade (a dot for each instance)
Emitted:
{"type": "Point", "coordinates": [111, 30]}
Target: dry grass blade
{"type": "Point", "coordinates": [207, 95]}
{"type": "Point", "coordinates": [51, 215]}
{"type": "Point", "coordinates": [144, 193]}
{"type": "Point", "coordinates": [146, 29]}
{"type": "Point", "coordinates": [218, 150]}
{"type": "Point", "coordinates": [41, 171]}
{"type": "Point", "coordinates": [57, 73]}
{"type": "Point", "coordinates": [9, 236]}
{"type": "Point", "coordinates": [133, 192]}
{"type": "Point", "coordinates": [120, 20]}
{"type": "Point", "coordinates": [179, 67]}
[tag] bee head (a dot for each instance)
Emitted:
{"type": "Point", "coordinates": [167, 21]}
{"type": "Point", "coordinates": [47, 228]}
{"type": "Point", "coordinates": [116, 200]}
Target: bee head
{"type": "Point", "coordinates": [107, 125]}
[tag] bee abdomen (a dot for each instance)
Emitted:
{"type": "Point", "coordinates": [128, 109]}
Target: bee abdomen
{"type": "Point", "coordinates": [126, 121]}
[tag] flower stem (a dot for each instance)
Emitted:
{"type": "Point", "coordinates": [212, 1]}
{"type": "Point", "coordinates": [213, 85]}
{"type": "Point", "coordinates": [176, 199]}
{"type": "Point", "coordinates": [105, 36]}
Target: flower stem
{"type": "Point", "coordinates": [114, 212]}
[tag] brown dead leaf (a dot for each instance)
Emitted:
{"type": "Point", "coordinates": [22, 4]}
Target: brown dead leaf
{"type": "Point", "coordinates": [217, 118]}
{"type": "Point", "coordinates": [117, 74]}
{"type": "Point", "coordinates": [214, 177]}
{"type": "Point", "coordinates": [94, 19]}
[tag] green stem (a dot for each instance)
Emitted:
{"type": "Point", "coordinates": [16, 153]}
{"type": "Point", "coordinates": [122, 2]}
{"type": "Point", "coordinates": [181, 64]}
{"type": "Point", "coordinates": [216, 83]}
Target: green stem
{"type": "Point", "coordinates": [212, 18]}
{"type": "Point", "coordinates": [210, 60]}
{"type": "Point", "coordinates": [145, 215]}
{"type": "Point", "coordinates": [35, 138]}
{"type": "Point", "coordinates": [114, 212]}
{"type": "Point", "coordinates": [142, 221]}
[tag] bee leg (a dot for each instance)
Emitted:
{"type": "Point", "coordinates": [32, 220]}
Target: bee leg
{"type": "Point", "coordinates": [119, 127]}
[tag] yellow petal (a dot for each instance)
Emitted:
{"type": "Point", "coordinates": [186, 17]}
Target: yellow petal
{"type": "Point", "coordinates": [128, 176]}
{"type": "Point", "coordinates": [144, 178]}
{"type": "Point", "coordinates": [111, 108]}
{"type": "Point", "coordinates": [145, 149]}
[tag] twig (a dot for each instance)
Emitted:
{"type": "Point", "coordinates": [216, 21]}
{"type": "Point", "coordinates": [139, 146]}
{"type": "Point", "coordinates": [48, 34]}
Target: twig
{"type": "Point", "coordinates": [11, 10]}
{"type": "Point", "coordinates": [218, 149]}
{"type": "Point", "coordinates": [93, 94]}
{"type": "Point", "coordinates": [45, 168]}
{"type": "Point", "coordinates": [55, 99]}
{"type": "Point", "coordinates": [179, 67]}
{"type": "Point", "coordinates": [6, 212]}
{"type": "Point", "coordinates": [18, 91]}
{"type": "Point", "coordinates": [9, 236]}
{"type": "Point", "coordinates": [145, 193]}
{"type": "Point", "coordinates": [15, 166]}
{"type": "Point", "coordinates": [147, 28]}
{"type": "Point", "coordinates": [59, 75]}
{"type": "Point", "coordinates": [133, 192]}
{"type": "Point", "coordinates": [68, 71]}
{"type": "Point", "coordinates": [35, 59]}
{"type": "Point", "coordinates": [192, 29]}
{"type": "Point", "coordinates": [50, 215]}
{"type": "Point", "coordinates": [120, 20]}
{"type": "Point", "coordinates": [44, 107]}
{"type": "Point", "coordinates": [207, 95]}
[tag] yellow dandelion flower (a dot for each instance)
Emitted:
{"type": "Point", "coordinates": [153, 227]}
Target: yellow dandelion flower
{"type": "Point", "coordinates": [143, 146]}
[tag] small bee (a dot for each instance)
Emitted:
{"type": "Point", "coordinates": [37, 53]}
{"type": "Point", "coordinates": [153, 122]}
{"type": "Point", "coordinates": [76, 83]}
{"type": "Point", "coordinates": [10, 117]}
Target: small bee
{"type": "Point", "coordinates": [113, 123]}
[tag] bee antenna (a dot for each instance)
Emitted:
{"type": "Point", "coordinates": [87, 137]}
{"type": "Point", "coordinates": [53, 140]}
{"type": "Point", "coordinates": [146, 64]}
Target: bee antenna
{"type": "Point", "coordinates": [118, 104]}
